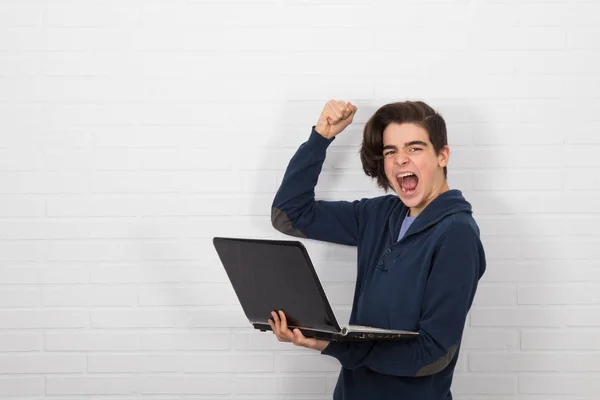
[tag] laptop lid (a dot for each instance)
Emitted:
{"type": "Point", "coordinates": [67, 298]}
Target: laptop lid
{"type": "Point", "coordinates": [269, 275]}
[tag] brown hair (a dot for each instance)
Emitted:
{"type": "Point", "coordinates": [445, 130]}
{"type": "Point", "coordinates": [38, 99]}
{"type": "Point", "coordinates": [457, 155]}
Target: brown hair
{"type": "Point", "coordinates": [416, 112]}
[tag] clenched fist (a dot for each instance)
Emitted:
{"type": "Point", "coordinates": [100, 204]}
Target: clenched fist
{"type": "Point", "coordinates": [335, 117]}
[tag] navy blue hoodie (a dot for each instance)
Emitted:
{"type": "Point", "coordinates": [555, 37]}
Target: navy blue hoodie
{"type": "Point", "coordinates": [424, 282]}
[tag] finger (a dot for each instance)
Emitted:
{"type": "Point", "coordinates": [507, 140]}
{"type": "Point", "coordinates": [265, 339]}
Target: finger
{"type": "Point", "coordinates": [335, 114]}
{"type": "Point", "coordinates": [343, 108]}
{"type": "Point", "coordinates": [283, 328]}
{"type": "Point", "coordinates": [301, 340]}
{"type": "Point", "coordinates": [352, 113]}
{"type": "Point", "coordinates": [352, 108]}
{"type": "Point", "coordinates": [298, 337]}
{"type": "Point", "coordinates": [283, 325]}
{"type": "Point", "coordinates": [272, 325]}
{"type": "Point", "coordinates": [275, 322]}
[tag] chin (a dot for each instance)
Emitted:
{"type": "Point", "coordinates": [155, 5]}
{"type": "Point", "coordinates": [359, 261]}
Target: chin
{"type": "Point", "coordinates": [409, 200]}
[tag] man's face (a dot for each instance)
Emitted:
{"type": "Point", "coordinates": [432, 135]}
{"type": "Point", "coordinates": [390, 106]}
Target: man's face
{"type": "Point", "coordinates": [411, 166]}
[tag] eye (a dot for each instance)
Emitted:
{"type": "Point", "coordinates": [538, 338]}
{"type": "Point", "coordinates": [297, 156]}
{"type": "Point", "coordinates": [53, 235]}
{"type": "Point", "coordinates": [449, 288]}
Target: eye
{"type": "Point", "coordinates": [413, 149]}
{"type": "Point", "coordinates": [386, 153]}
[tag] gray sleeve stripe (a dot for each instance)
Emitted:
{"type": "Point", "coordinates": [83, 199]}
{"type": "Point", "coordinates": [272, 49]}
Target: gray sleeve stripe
{"type": "Point", "coordinates": [438, 365]}
{"type": "Point", "coordinates": [282, 223]}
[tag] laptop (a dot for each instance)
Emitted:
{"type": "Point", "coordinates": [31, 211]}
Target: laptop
{"type": "Point", "coordinates": [269, 275]}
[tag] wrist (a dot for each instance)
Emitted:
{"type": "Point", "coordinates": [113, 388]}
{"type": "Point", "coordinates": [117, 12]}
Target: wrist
{"type": "Point", "coordinates": [320, 129]}
{"type": "Point", "coordinates": [321, 345]}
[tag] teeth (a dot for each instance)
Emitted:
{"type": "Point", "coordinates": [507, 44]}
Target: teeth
{"type": "Point", "coordinates": [404, 175]}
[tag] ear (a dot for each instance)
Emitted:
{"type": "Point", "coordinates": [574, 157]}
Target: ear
{"type": "Point", "coordinates": [444, 156]}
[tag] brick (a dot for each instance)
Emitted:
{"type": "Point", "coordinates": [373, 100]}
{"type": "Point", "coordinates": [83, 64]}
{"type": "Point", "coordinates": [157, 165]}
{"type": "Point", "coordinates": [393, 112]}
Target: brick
{"type": "Point", "coordinates": [21, 342]}
{"type": "Point", "coordinates": [89, 296]}
{"type": "Point", "coordinates": [305, 362]}
{"type": "Point", "coordinates": [110, 159]}
{"type": "Point", "coordinates": [209, 294]}
{"type": "Point", "coordinates": [582, 156]}
{"type": "Point", "coordinates": [198, 340]}
{"type": "Point", "coordinates": [228, 362]}
{"type": "Point", "coordinates": [513, 248]}
{"type": "Point", "coordinates": [45, 138]}
{"type": "Point", "coordinates": [68, 160]}
{"type": "Point", "coordinates": [42, 229]}
{"type": "Point", "coordinates": [519, 38]}
{"type": "Point", "coordinates": [534, 109]}
{"type": "Point", "coordinates": [42, 319]}
{"type": "Point", "coordinates": [581, 384]}
{"type": "Point", "coordinates": [62, 273]}
{"type": "Point", "coordinates": [133, 182]}
{"type": "Point", "coordinates": [432, 38]}
{"type": "Point", "coordinates": [524, 132]}
{"type": "Point", "coordinates": [93, 206]}
{"type": "Point", "coordinates": [282, 384]}
{"type": "Point", "coordinates": [213, 205]}
{"type": "Point", "coordinates": [497, 158]}
{"type": "Point", "coordinates": [582, 38]}
{"type": "Point", "coordinates": [22, 385]}
{"type": "Point", "coordinates": [137, 319]}
{"type": "Point", "coordinates": [188, 159]}
{"type": "Point", "coordinates": [254, 340]}
{"type": "Point", "coordinates": [94, 15]}
{"type": "Point", "coordinates": [92, 342]}
{"type": "Point", "coordinates": [23, 297]}
{"type": "Point", "coordinates": [21, 15]}
{"type": "Point", "coordinates": [124, 250]}
{"type": "Point", "coordinates": [579, 180]}
{"type": "Point", "coordinates": [113, 364]}
{"type": "Point", "coordinates": [30, 250]}
{"type": "Point", "coordinates": [544, 225]}
{"type": "Point", "coordinates": [476, 338]}
{"type": "Point", "coordinates": [42, 364]}
{"type": "Point", "coordinates": [17, 206]}
{"type": "Point", "coordinates": [495, 295]}
{"type": "Point", "coordinates": [28, 182]}
{"type": "Point", "coordinates": [513, 180]}
{"type": "Point", "coordinates": [20, 161]}
{"type": "Point", "coordinates": [551, 270]}
{"type": "Point", "coordinates": [518, 317]}
{"type": "Point", "coordinates": [158, 272]}
{"type": "Point", "coordinates": [18, 273]}
{"type": "Point", "coordinates": [93, 385]}
{"type": "Point", "coordinates": [571, 339]}
{"type": "Point", "coordinates": [189, 384]}
{"type": "Point", "coordinates": [584, 317]}
{"type": "Point", "coordinates": [533, 362]}
{"type": "Point", "coordinates": [483, 385]}
{"type": "Point", "coordinates": [221, 317]}
{"type": "Point", "coordinates": [543, 14]}
{"type": "Point", "coordinates": [560, 294]}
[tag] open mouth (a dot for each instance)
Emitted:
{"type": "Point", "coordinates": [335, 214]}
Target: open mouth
{"type": "Point", "coordinates": [408, 182]}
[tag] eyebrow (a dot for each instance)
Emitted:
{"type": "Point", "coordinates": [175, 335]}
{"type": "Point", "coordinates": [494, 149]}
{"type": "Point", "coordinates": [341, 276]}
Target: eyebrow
{"type": "Point", "coordinates": [408, 144]}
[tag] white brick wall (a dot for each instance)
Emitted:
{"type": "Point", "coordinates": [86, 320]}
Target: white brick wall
{"type": "Point", "coordinates": [133, 132]}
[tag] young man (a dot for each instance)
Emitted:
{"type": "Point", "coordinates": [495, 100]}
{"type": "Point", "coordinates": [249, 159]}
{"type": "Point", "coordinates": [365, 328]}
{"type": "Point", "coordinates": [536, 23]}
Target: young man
{"type": "Point", "coordinates": [419, 253]}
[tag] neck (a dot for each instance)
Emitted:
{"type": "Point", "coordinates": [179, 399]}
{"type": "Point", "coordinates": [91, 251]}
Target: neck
{"type": "Point", "coordinates": [414, 211]}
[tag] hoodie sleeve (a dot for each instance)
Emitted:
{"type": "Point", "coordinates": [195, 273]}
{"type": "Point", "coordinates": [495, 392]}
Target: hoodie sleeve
{"type": "Point", "coordinates": [295, 211]}
{"type": "Point", "coordinates": [457, 267]}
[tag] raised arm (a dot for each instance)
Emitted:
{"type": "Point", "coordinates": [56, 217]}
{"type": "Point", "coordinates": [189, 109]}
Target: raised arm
{"type": "Point", "coordinates": [295, 211]}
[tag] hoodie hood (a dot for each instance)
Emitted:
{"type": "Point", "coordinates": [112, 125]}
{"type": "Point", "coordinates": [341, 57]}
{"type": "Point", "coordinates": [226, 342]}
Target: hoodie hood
{"type": "Point", "coordinates": [446, 204]}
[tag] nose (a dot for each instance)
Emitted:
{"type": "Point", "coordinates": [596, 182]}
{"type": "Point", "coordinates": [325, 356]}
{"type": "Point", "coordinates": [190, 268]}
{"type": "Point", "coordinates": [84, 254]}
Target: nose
{"type": "Point", "coordinates": [402, 159]}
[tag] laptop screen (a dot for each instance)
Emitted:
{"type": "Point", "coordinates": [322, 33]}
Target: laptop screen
{"type": "Point", "coordinates": [270, 275]}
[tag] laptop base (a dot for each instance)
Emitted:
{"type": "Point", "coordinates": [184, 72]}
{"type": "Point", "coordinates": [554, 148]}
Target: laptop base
{"type": "Point", "coordinates": [349, 336]}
